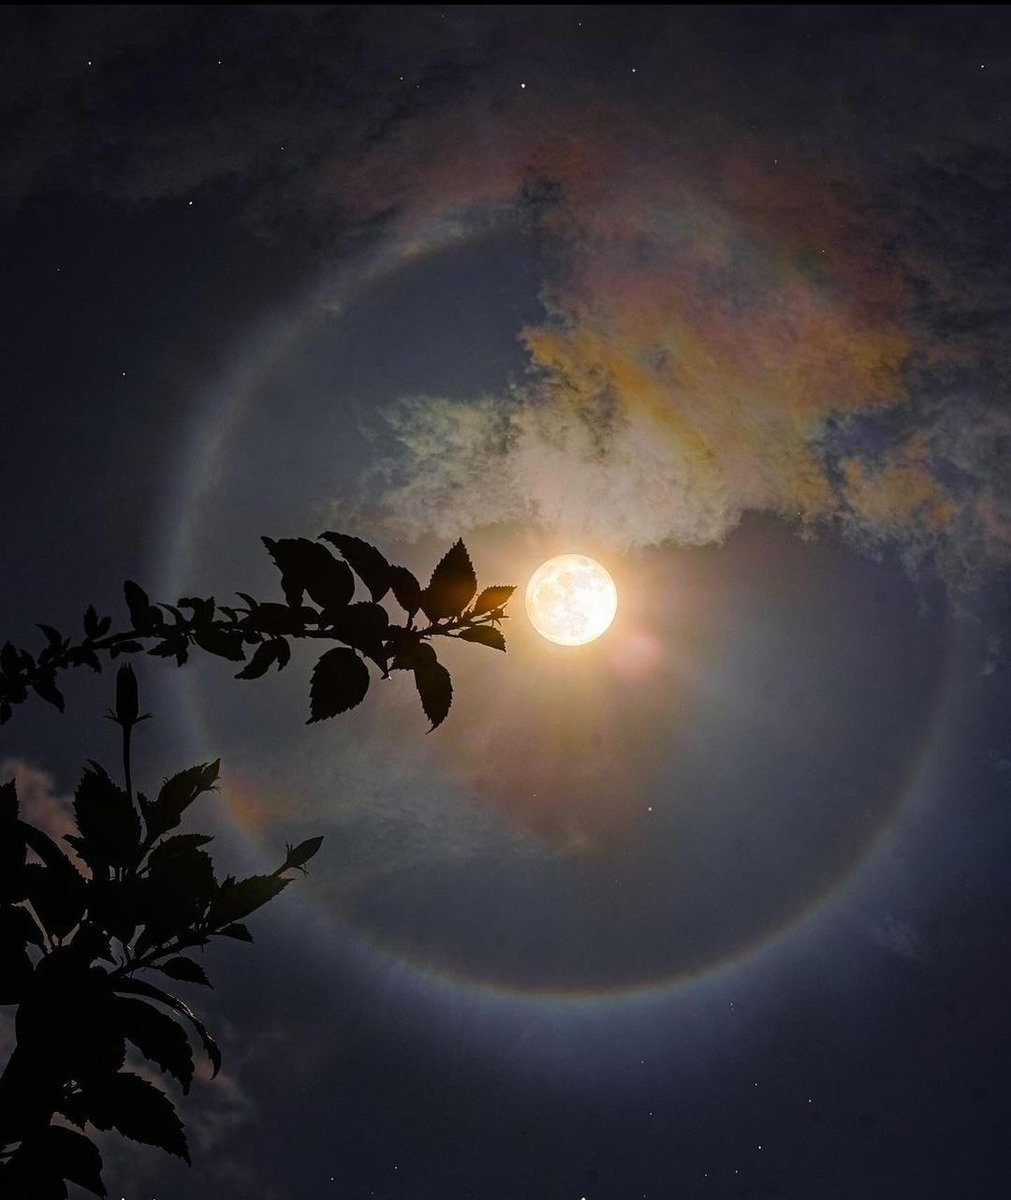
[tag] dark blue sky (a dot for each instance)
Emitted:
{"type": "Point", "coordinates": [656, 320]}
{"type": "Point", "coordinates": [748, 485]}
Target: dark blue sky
{"type": "Point", "coordinates": [717, 907]}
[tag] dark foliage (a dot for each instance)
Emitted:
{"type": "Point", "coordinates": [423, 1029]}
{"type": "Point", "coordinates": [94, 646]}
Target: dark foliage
{"type": "Point", "coordinates": [79, 932]}
{"type": "Point", "coordinates": [76, 935]}
{"type": "Point", "coordinates": [319, 602]}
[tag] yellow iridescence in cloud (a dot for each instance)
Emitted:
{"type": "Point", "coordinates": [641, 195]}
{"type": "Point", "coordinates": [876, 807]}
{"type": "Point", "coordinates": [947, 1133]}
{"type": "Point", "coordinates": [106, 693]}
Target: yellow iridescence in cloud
{"type": "Point", "coordinates": [571, 599]}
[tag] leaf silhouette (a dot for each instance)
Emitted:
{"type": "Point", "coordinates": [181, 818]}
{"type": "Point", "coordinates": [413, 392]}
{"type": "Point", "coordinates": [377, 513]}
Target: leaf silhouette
{"type": "Point", "coordinates": [278, 619]}
{"type": "Point", "coordinates": [309, 567]}
{"type": "Point", "coordinates": [48, 691]}
{"type": "Point", "coordinates": [340, 681]}
{"type": "Point", "coordinates": [108, 822]}
{"type": "Point", "coordinates": [140, 987]}
{"type": "Point", "coordinates": [180, 843]}
{"type": "Point", "coordinates": [412, 653]}
{"type": "Point", "coordinates": [264, 657]}
{"type": "Point", "coordinates": [158, 1037]}
{"type": "Point", "coordinates": [362, 626]}
{"type": "Point", "coordinates": [116, 905]}
{"type": "Point", "coordinates": [435, 689]}
{"type": "Point", "coordinates": [491, 599]}
{"type": "Point", "coordinates": [235, 900]}
{"type": "Point", "coordinates": [91, 623]}
{"type": "Point", "coordinates": [484, 635]}
{"type": "Point", "coordinates": [225, 643]}
{"type": "Point", "coordinates": [58, 896]}
{"type": "Point", "coordinates": [174, 646]}
{"type": "Point", "coordinates": [176, 891]}
{"type": "Point", "coordinates": [185, 970]}
{"type": "Point", "coordinates": [48, 1157]}
{"type": "Point", "coordinates": [366, 562]}
{"type": "Point", "coordinates": [138, 1110]}
{"type": "Point", "coordinates": [406, 589]}
{"type": "Point", "coordinates": [74, 1157]}
{"type": "Point", "coordinates": [143, 615]}
{"type": "Point", "coordinates": [452, 585]}
{"type": "Point", "coordinates": [176, 795]}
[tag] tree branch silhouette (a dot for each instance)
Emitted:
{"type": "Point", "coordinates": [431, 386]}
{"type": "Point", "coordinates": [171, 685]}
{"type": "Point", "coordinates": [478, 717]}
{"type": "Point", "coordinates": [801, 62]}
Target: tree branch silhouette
{"type": "Point", "coordinates": [79, 935]}
{"type": "Point", "coordinates": [263, 630]}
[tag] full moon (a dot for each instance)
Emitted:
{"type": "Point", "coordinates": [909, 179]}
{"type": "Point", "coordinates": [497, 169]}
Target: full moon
{"type": "Point", "coordinates": [571, 599]}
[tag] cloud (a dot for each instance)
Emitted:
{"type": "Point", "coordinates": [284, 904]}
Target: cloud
{"type": "Point", "coordinates": [760, 296]}
{"type": "Point", "coordinates": [725, 332]}
{"type": "Point", "coordinates": [39, 801]}
{"type": "Point", "coordinates": [213, 1113]}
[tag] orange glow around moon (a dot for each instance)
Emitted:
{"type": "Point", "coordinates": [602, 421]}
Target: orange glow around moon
{"type": "Point", "coordinates": [571, 599]}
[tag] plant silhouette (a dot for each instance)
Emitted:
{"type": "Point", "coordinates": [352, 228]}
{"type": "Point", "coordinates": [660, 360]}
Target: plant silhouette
{"type": "Point", "coordinates": [81, 933]}
{"type": "Point", "coordinates": [341, 678]}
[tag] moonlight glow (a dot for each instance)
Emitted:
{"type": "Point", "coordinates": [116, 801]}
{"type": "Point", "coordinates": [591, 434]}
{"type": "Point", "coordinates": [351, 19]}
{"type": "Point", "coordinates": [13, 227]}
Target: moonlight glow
{"type": "Point", "coordinates": [571, 599]}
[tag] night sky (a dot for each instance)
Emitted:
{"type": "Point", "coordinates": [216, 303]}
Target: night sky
{"type": "Point", "coordinates": [716, 906]}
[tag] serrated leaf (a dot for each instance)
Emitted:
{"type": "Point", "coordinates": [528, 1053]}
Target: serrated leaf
{"type": "Point", "coordinates": [263, 657]}
{"type": "Point", "coordinates": [492, 598]}
{"type": "Point", "coordinates": [237, 899]}
{"type": "Point", "coordinates": [176, 795]}
{"type": "Point", "coordinates": [174, 895]}
{"type": "Point", "coordinates": [406, 590]}
{"type": "Point", "coordinates": [140, 987]}
{"type": "Point", "coordinates": [366, 562]}
{"type": "Point", "coordinates": [278, 619]}
{"type": "Point", "coordinates": [484, 635]}
{"type": "Point", "coordinates": [181, 843]}
{"type": "Point", "coordinates": [307, 566]}
{"type": "Point", "coordinates": [435, 689]}
{"type": "Point", "coordinates": [225, 643]}
{"type": "Point", "coordinates": [362, 626]}
{"type": "Point", "coordinates": [412, 654]}
{"type": "Point", "coordinates": [185, 969]}
{"type": "Point", "coordinates": [452, 585]}
{"type": "Point", "coordinates": [158, 1037]}
{"type": "Point", "coordinates": [340, 681]}
{"type": "Point", "coordinates": [107, 821]}
{"type": "Point", "coordinates": [47, 1157]}
{"type": "Point", "coordinates": [138, 1110]}
{"type": "Point", "coordinates": [45, 847]}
